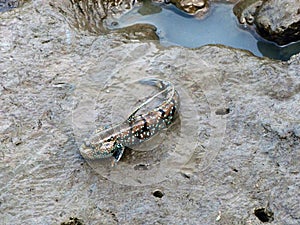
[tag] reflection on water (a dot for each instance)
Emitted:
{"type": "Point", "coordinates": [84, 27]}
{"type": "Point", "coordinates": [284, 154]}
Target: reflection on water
{"type": "Point", "coordinates": [219, 27]}
{"type": "Point", "coordinates": [276, 52]}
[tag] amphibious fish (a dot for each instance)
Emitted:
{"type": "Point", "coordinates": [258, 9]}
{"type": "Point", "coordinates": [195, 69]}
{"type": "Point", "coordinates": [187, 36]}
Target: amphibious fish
{"type": "Point", "coordinates": [137, 128]}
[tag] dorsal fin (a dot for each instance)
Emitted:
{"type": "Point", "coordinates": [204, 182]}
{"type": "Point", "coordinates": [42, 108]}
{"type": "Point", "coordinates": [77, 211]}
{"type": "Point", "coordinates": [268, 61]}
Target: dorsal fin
{"type": "Point", "coordinates": [130, 117]}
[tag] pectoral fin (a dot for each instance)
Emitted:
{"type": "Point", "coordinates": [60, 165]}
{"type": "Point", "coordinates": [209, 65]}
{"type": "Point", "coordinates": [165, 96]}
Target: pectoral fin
{"type": "Point", "coordinates": [119, 150]}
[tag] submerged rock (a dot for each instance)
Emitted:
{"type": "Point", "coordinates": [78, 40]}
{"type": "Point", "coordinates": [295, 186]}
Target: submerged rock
{"type": "Point", "coordinates": [138, 32]}
{"type": "Point", "coordinates": [148, 8]}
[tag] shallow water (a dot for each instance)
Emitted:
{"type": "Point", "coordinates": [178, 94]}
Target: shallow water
{"type": "Point", "coordinates": [100, 102]}
{"type": "Point", "coordinates": [156, 159]}
{"type": "Point", "coordinates": [220, 26]}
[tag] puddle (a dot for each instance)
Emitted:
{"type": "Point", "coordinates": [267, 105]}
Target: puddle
{"type": "Point", "coordinates": [156, 159]}
{"type": "Point", "coordinates": [220, 26]}
{"type": "Point", "coordinates": [100, 102]}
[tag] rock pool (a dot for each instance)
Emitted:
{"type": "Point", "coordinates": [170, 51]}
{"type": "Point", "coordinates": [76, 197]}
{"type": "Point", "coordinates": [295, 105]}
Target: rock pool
{"type": "Point", "coordinates": [219, 26]}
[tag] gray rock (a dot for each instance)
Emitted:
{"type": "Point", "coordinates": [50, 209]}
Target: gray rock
{"type": "Point", "coordinates": [243, 167]}
{"type": "Point", "coordinates": [279, 21]}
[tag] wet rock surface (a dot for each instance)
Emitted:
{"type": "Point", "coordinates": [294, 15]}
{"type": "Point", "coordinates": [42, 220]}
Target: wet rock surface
{"type": "Point", "coordinates": [199, 8]}
{"type": "Point", "coordinates": [247, 175]}
{"type": "Point", "coordinates": [87, 16]}
{"type": "Point", "coordinates": [277, 21]}
{"type": "Point", "coordinates": [245, 10]}
{"type": "Point", "coordinates": [83, 15]}
{"type": "Point", "coordinates": [193, 7]}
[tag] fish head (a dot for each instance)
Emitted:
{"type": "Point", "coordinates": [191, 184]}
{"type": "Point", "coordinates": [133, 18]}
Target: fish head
{"type": "Point", "coordinates": [98, 149]}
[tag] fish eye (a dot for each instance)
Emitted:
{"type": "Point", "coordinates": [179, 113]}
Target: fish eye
{"type": "Point", "coordinates": [87, 143]}
{"type": "Point", "coordinates": [107, 144]}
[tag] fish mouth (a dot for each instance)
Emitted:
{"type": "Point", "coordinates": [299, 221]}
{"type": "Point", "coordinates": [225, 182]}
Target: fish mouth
{"type": "Point", "coordinates": [86, 151]}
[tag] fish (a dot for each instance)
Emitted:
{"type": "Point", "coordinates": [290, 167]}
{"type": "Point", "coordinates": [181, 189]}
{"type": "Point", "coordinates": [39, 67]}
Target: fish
{"type": "Point", "coordinates": [112, 141]}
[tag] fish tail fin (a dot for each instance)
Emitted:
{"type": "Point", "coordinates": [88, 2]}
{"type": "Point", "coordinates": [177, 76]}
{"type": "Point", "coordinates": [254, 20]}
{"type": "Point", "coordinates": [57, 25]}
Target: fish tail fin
{"type": "Point", "coordinates": [161, 84]}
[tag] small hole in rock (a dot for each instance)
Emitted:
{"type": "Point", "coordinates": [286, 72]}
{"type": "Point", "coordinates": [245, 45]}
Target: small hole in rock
{"type": "Point", "coordinates": [141, 167]}
{"type": "Point", "coordinates": [185, 175]}
{"type": "Point", "coordinates": [158, 194]}
{"type": "Point", "coordinates": [264, 215]}
{"type": "Point", "coordinates": [222, 111]}
{"type": "Point", "coordinates": [235, 170]}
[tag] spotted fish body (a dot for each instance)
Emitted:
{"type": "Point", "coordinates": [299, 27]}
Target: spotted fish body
{"type": "Point", "coordinates": [137, 128]}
